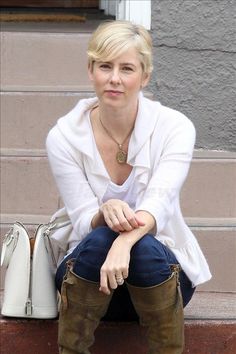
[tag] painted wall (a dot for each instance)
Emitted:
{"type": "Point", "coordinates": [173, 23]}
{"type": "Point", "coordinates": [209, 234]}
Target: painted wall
{"type": "Point", "coordinates": [195, 65]}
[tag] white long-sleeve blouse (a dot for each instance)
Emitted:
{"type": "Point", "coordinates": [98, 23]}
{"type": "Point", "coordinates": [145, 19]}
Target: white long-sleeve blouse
{"type": "Point", "coordinates": [160, 151]}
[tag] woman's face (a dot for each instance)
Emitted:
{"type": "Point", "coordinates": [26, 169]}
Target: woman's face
{"type": "Point", "coordinates": [118, 82]}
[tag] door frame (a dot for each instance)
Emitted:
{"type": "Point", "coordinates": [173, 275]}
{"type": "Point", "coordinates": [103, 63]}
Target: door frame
{"type": "Point", "coordinates": [137, 11]}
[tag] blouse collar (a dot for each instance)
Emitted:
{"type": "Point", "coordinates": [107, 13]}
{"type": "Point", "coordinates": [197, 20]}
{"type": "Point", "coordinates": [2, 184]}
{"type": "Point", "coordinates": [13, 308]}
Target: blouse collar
{"type": "Point", "coordinates": [76, 128]}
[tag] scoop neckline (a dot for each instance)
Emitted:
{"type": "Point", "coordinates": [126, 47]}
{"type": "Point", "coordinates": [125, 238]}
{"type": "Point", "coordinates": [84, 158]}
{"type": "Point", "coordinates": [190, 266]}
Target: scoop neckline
{"type": "Point", "coordinates": [113, 184]}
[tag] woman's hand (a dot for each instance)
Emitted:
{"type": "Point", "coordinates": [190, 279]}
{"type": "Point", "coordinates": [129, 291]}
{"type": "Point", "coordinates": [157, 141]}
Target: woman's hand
{"type": "Point", "coordinates": [119, 216]}
{"type": "Point", "coordinates": [116, 266]}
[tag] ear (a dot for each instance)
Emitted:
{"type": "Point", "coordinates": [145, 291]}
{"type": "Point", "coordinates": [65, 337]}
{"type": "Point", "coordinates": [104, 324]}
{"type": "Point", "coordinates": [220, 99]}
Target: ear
{"type": "Point", "coordinates": [90, 71]}
{"type": "Point", "coordinates": [145, 80]}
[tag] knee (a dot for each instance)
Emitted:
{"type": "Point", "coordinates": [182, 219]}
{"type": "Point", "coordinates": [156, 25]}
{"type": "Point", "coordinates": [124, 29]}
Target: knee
{"type": "Point", "coordinates": [143, 254]}
{"type": "Point", "coordinates": [92, 253]}
{"type": "Point", "coordinates": [148, 263]}
{"type": "Point", "coordinates": [94, 248]}
{"type": "Point", "coordinates": [146, 245]}
{"type": "Point", "coordinates": [100, 238]}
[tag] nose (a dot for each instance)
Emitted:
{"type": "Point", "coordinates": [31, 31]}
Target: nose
{"type": "Point", "coordinates": [115, 77]}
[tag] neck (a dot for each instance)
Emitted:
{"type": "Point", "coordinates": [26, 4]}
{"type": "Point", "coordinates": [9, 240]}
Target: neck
{"type": "Point", "coordinates": [118, 121]}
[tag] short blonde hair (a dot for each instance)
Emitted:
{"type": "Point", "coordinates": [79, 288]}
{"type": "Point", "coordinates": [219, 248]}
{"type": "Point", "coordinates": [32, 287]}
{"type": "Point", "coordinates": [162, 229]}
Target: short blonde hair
{"type": "Point", "coordinates": [113, 38]}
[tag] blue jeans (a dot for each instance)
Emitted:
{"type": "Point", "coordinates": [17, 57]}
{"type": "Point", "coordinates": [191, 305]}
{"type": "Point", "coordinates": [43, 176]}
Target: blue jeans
{"type": "Point", "coordinates": [149, 265]}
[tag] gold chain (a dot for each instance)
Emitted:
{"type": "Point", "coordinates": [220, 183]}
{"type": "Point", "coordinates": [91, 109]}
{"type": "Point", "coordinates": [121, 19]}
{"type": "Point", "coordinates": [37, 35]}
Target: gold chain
{"type": "Point", "coordinates": [121, 155]}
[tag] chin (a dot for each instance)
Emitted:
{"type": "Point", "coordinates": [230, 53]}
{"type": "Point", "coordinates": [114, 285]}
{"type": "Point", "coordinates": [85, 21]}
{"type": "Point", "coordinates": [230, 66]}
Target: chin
{"type": "Point", "coordinates": [113, 102]}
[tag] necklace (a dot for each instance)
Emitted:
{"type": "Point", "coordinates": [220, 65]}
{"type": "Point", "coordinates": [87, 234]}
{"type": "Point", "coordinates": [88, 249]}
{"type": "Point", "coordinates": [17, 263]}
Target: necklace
{"type": "Point", "coordinates": [121, 155]}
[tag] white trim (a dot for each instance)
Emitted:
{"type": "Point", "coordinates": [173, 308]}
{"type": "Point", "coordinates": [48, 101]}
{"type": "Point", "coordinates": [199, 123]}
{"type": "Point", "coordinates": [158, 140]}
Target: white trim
{"type": "Point", "coordinates": [109, 6]}
{"type": "Point", "coordinates": [136, 11]}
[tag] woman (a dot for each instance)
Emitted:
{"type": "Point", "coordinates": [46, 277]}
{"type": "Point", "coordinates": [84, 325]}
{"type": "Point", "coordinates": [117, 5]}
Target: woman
{"type": "Point", "coordinates": [119, 161]}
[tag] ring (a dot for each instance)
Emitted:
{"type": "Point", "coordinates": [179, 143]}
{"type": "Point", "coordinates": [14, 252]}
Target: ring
{"type": "Point", "coordinates": [119, 280]}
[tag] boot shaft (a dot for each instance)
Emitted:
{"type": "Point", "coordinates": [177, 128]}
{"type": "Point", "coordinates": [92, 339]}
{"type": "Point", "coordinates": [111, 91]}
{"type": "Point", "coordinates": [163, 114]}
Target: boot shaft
{"type": "Point", "coordinates": [82, 307]}
{"type": "Point", "coordinates": [160, 310]}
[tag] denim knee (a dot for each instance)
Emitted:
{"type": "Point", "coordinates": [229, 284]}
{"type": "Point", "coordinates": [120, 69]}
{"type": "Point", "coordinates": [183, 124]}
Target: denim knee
{"type": "Point", "coordinates": [149, 263]}
{"type": "Point", "coordinates": [101, 237]}
{"type": "Point", "coordinates": [92, 253]}
{"type": "Point", "coordinates": [88, 256]}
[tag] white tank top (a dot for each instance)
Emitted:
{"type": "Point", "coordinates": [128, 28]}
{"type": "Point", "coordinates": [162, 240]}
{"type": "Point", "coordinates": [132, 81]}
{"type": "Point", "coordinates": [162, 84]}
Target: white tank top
{"type": "Point", "coordinates": [125, 192]}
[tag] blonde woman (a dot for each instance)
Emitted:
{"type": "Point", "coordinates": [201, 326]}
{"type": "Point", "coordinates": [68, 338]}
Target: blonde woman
{"type": "Point", "coordinates": [119, 161]}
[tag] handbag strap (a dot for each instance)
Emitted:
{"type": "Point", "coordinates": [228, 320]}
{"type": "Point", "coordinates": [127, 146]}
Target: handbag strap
{"type": "Point", "coordinates": [57, 223]}
{"type": "Point", "coordinates": [9, 244]}
{"type": "Point", "coordinates": [11, 238]}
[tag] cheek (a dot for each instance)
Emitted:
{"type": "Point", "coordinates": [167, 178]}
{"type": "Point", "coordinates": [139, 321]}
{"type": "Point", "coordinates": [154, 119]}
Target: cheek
{"type": "Point", "coordinates": [99, 79]}
{"type": "Point", "coordinates": [135, 83]}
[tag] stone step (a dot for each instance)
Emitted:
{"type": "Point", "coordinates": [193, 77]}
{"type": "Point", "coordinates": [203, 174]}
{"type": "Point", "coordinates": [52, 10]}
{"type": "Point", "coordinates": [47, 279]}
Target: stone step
{"type": "Point", "coordinates": [39, 61]}
{"type": "Point", "coordinates": [39, 111]}
{"type": "Point", "coordinates": [40, 337]}
{"type": "Point", "coordinates": [217, 238]}
{"type": "Point", "coordinates": [210, 328]}
{"type": "Point", "coordinates": [27, 186]}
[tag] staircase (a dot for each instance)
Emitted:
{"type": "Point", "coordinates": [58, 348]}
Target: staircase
{"type": "Point", "coordinates": [43, 75]}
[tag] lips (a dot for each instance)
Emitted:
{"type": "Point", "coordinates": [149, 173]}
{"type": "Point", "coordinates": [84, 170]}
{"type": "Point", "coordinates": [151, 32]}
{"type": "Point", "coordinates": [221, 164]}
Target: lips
{"type": "Point", "coordinates": [113, 92]}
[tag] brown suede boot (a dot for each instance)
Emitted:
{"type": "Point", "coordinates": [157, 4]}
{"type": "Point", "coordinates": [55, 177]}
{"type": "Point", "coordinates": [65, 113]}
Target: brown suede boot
{"type": "Point", "coordinates": [82, 306]}
{"type": "Point", "coordinates": [160, 310]}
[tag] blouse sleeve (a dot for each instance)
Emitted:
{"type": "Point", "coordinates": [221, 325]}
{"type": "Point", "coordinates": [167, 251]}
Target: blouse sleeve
{"type": "Point", "coordinates": [79, 199]}
{"type": "Point", "coordinates": [169, 172]}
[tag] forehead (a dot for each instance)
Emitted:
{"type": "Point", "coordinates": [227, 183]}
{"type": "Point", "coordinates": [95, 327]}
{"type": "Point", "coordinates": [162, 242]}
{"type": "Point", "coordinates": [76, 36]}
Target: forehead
{"type": "Point", "coordinates": [129, 56]}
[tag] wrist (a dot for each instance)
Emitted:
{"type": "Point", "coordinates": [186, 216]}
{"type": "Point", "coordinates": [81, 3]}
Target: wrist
{"type": "Point", "coordinates": [98, 220]}
{"type": "Point", "coordinates": [131, 237]}
{"type": "Point", "coordinates": [124, 240]}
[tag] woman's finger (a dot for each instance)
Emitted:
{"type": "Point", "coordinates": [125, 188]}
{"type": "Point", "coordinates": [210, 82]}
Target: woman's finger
{"type": "Point", "coordinates": [115, 227]}
{"type": "Point", "coordinates": [130, 217]}
{"type": "Point", "coordinates": [125, 273]}
{"type": "Point", "coordinates": [112, 280]}
{"type": "Point", "coordinates": [108, 279]}
{"type": "Point", "coordinates": [104, 282]}
{"type": "Point", "coordinates": [115, 219]}
{"type": "Point", "coordinates": [123, 223]}
{"type": "Point", "coordinates": [119, 278]}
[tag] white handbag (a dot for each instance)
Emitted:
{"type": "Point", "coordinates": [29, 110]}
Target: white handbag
{"type": "Point", "coordinates": [29, 289]}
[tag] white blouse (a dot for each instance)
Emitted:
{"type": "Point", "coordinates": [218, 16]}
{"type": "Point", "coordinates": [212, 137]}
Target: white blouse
{"type": "Point", "coordinates": [160, 152]}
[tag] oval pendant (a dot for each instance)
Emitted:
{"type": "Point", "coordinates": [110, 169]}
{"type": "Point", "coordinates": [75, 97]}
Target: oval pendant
{"type": "Point", "coordinates": [121, 156]}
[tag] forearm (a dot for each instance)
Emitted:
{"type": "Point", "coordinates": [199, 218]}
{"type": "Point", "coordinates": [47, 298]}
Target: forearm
{"type": "Point", "coordinates": [131, 237]}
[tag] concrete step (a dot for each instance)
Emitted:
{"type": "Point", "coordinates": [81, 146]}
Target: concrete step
{"type": "Point", "coordinates": [40, 337]}
{"type": "Point", "coordinates": [210, 189]}
{"type": "Point", "coordinates": [210, 328]}
{"type": "Point", "coordinates": [41, 61]}
{"type": "Point", "coordinates": [38, 110]}
{"type": "Point", "coordinates": [29, 195]}
{"type": "Point", "coordinates": [27, 186]}
{"type": "Point", "coordinates": [217, 239]}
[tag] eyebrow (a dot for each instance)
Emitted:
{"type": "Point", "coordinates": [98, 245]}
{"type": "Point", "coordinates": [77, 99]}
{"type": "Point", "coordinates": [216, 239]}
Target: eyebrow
{"type": "Point", "coordinates": [128, 64]}
{"type": "Point", "coordinates": [109, 62]}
